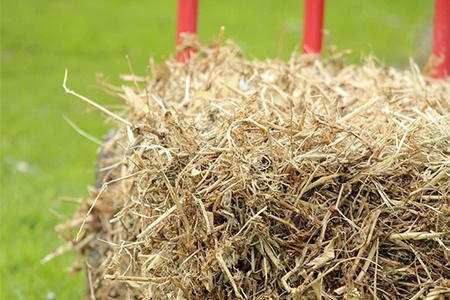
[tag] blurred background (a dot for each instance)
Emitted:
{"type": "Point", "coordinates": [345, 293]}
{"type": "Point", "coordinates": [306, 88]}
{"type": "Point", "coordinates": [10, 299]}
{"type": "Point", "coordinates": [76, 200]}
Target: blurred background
{"type": "Point", "coordinates": [44, 159]}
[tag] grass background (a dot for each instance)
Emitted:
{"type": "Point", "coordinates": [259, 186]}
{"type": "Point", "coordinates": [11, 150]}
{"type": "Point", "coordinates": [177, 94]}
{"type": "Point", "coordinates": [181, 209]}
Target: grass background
{"type": "Point", "coordinates": [43, 158]}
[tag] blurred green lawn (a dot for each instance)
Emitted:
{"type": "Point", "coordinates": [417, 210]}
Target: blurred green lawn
{"type": "Point", "coordinates": [43, 158]}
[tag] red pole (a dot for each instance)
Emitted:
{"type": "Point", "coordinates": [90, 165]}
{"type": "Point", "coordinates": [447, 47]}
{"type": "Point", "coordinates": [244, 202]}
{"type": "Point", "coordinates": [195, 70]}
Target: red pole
{"type": "Point", "coordinates": [441, 38]}
{"type": "Point", "coordinates": [313, 26]}
{"type": "Point", "coordinates": [187, 23]}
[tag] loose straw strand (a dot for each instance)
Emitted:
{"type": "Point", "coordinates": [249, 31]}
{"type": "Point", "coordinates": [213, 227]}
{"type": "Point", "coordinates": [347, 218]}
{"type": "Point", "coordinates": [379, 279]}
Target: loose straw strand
{"type": "Point", "coordinates": [92, 103]}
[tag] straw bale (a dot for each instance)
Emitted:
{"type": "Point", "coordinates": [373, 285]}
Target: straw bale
{"type": "Point", "coordinates": [302, 179]}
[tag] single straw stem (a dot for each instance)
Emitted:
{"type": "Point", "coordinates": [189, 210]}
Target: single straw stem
{"type": "Point", "coordinates": [313, 26]}
{"type": "Point", "coordinates": [90, 102]}
{"type": "Point", "coordinates": [441, 39]}
{"type": "Point", "coordinates": [187, 23]}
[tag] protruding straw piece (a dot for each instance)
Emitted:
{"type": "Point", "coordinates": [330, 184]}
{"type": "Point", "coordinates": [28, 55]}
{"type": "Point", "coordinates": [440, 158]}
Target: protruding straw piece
{"type": "Point", "coordinates": [90, 102]}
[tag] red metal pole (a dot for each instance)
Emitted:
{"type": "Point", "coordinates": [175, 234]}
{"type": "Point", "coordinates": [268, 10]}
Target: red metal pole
{"type": "Point", "coordinates": [313, 26]}
{"type": "Point", "coordinates": [441, 38]}
{"type": "Point", "coordinates": [187, 23]}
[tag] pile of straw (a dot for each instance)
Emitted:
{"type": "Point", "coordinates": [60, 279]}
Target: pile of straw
{"type": "Point", "coordinates": [237, 179]}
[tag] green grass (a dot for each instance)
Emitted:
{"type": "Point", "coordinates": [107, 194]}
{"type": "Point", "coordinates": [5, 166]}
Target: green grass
{"type": "Point", "coordinates": [43, 158]}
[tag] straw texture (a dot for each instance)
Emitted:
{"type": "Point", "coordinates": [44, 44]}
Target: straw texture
{"type": "Point", "coordinates": [237, 179]}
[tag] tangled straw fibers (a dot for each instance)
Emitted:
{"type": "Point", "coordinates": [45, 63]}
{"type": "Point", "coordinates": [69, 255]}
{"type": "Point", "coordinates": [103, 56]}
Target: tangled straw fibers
{"type": "Point", "coordinates": [237, 179]}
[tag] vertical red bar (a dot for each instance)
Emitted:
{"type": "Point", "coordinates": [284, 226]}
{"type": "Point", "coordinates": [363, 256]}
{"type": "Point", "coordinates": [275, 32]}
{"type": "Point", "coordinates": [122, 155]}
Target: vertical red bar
{"type": "Point", "coordinates": [313, 26]}
{"type": "Point", "coordinates": [187, 23]}
{"type": "Point", "coordinates": [441, 38]}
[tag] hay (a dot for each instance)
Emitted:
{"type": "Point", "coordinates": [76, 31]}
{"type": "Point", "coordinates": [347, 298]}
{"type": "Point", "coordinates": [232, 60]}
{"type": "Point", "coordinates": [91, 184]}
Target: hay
{"type": "Point", "coordinates": [305, 179]}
